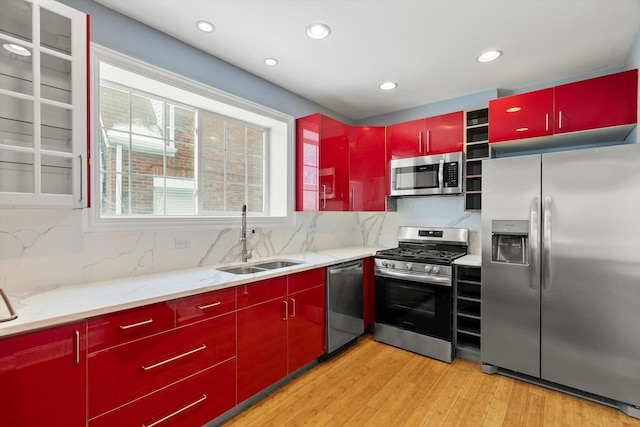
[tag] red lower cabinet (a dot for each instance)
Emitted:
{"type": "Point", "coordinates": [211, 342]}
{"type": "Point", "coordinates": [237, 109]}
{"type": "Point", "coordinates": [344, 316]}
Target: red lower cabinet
{"type": "Point", "coordinates": [43, 377]}
{"type": "Point", "coordinates": [305, 335]}
{"type": "Point", "coordinates": [121, 374]}
{"type": "Point", "coordinates": [193, 401]}
{"type": "Point", "coordinates": [262, 345]}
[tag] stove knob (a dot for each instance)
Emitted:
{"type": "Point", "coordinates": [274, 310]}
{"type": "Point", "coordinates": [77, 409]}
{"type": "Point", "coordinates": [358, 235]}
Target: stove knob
{"type": "Point", "coordinates": [409, 266]}
{"type": "Point", "coordinates": [392, 265]}
{"type": "Point", "coordinates": [435, 269]}
{"type": "Point", "coordinates": [427, 269]}
{"type": "Point", "coordinates": [385, 264]}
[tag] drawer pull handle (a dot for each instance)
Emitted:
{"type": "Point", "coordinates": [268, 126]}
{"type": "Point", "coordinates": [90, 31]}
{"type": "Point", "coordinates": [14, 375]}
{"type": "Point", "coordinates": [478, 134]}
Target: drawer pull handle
{"type": "Point", "coordinates": [173, 414]}
{"type": "Point", "coordinates": [174, 358]}
{"type": "Point", "coordinates": [204, 307]}
{"type": "Point", "coordinates": [135, 325]}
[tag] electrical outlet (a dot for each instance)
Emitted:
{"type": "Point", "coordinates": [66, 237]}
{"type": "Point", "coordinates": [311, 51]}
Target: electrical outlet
{"type": "Point", "coordinates": [182, 243]}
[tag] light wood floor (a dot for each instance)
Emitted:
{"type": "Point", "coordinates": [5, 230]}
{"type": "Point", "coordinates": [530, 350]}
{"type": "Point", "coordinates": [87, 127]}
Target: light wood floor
{"type": "Point", "coordinates": [373, 384]}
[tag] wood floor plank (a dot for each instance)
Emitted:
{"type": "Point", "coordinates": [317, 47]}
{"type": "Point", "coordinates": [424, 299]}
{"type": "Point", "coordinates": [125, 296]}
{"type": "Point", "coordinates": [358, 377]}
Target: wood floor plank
{"type": "Point", "coordinates": [372, 384]}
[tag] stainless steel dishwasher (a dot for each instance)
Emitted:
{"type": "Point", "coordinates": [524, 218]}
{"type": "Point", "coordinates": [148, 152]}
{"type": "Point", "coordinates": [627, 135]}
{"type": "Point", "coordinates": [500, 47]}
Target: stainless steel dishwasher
{"type": "Point", "coordinates": [345, 319]}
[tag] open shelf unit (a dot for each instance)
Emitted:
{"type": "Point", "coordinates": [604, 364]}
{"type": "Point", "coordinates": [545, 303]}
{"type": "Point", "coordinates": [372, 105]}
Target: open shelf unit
{"type": "Point", "coordinates": [467, 312]}
{"type": "Point", "coordinates": [477, 149]}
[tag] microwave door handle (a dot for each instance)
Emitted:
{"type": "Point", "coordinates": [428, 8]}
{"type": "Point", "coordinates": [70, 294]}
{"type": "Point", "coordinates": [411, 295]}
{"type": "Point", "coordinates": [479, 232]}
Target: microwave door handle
{"type": "Point", "coordinates": [441, 175]}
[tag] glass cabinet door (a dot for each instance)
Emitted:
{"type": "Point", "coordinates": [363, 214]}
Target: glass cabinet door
{"type": "Point", "coordinates": [43, 104]}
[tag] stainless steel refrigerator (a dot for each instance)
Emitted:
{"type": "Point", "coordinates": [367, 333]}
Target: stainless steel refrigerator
{"type": "Point", "coordinates": [561, 270]}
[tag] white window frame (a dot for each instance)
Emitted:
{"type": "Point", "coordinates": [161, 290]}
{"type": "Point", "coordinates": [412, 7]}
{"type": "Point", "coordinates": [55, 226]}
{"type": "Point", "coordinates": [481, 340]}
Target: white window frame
{"type": "Point", "coordinates": [279, 187]}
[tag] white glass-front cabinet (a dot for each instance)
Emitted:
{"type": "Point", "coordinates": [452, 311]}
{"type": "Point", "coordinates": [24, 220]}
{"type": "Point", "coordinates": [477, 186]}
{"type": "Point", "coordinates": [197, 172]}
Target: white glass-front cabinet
{"type": "Point", "coordinates": [43, 105]}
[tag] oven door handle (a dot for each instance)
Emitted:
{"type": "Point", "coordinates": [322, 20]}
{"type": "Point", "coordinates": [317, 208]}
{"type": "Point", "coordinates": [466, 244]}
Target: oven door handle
{"type": "Point", "coordinates": [440, 281]}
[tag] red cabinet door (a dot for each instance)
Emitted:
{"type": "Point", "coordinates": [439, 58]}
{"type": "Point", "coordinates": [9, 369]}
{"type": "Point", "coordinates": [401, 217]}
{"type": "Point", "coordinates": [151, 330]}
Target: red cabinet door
{"type": "Point", "coordinates": [367, 171]}
{"type": "Point", "coordinates": [191, 402]}
{"type": "Point", "coordinates": [406, 139]}
{"type": "Point", "coordinates": [306, 280]}
{"type": "Point", "coordinates": [444, 133]}
{"type": "Point", "coordinates": [43, 378]}
{"type": "Point", "coordinates": [262, 346]}
{"type": "Point", "coordinates": [521, 116]}
{"type": "Point", "coordinates": [334, 165]}
{"type": "Point", "coordinates": [305, 327]}
{"type": "Point", "coordinates": [601, 102]}
{"type": "Point", "coordinates": [308, 163]}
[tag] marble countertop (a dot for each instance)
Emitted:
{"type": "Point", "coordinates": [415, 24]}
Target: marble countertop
{"type": "Point", "coordinates": [57, 305]}
{"type": "Point", "coordinates": [469, 260]}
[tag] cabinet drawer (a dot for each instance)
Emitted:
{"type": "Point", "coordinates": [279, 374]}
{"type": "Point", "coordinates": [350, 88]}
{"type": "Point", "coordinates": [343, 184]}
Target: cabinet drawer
{"type": "Point", "coordinates": [124, 326]}
{"type": "Point", "coordinates": [204, 306]}
{"type": "Point", "coordinates": [259, 292]}
{"type": "Point", "coordinates": [121, 374]}
{"type": "Point", "coordinates": [305, 280]}
{"type": "Point", "coordinates": [191, 402]}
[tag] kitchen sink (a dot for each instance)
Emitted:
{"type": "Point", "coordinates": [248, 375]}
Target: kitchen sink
{"type": "Point", "coordinates": [273, 265]}
{"type": "Point", "coordinates": [259, 267]}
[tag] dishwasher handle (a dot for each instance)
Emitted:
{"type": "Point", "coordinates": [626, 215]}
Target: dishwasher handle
{"type": "Point", "coordinates": [339, 270]}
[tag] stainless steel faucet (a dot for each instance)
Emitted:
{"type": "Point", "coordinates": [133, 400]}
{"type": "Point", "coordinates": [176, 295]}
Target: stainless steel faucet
{"type": "Point", "coordinates": [243, 239]}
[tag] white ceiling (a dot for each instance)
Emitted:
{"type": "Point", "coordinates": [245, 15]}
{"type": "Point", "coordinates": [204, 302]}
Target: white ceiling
{"type": "Point", "coordinates": [427, 46]}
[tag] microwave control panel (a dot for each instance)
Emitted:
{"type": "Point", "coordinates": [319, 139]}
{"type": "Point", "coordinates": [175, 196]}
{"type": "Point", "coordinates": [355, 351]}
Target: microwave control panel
{"type": "Point", "coordinates": [451, 174]}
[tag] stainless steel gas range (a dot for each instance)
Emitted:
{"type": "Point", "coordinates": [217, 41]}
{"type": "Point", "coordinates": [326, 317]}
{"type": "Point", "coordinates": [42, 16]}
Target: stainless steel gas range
{"type": "Point", "coordinates": [413, 290]}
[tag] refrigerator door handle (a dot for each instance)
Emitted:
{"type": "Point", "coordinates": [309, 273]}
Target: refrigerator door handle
{"type": "Point", "coordinates": [546, 243]}
{"type": "Point", "coordinates": [534, 245]}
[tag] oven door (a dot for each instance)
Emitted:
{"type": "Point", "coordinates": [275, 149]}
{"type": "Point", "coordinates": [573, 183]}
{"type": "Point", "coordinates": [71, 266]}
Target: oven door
{"type": "Point", "coordinates": [424, 308]}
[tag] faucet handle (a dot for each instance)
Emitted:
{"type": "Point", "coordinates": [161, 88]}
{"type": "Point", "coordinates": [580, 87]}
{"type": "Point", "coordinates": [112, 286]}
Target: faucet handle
{"type": "Point", "coordinates": [249, 256]}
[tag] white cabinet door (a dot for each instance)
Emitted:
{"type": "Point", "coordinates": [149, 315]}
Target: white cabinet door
{"type": "Point", "coordinates": [43, 105]}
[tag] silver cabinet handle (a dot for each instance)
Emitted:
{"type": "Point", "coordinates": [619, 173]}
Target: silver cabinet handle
{"type": "Point", "coordinates": [324, 196]}
{"type": "Point", "coordinates": [206, 306]}
{"type": "Point", "coordinates": [419, 142]}
{"type": "Point", "coordinates": [81, 186]}
{"type": "Point", "coordinates": [76, 340]}
{"type": "Point", "coordinates": [546, 122]}
{"type": "Point", "coordinates": [546, 243]}
{"type": "Point", "coordinates": [559, 119]}
{"type": "Point", "coordinates": [174, 358]}
{"type": "Point", "coordinates": [428, 141]}
{"type": "Point", "coordinates": [286, 310]}
{"type": "Point", "coordinates": [353, 199]}
{"type": "Point", "coordinates": [293, 307]}
{"type": "Point", "coordinates": [173, 414]}
{"type": "Point", "coordinates": [135, 325]}
{"type": "Point", "coordinates": [441, 175]}
{"type": "Point", "coordinates": [534, 238]}
{"type": "Point", "coordinates": [12, 312]}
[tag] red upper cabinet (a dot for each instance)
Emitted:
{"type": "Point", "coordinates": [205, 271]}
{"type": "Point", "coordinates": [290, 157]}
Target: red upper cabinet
{"type": "Point", "coordinates": [444, 133]}
{"type": "Point", "coordinates": [322, 160]}
{"type": "Point", "coordinates": [43, 378]}
{"type": "Point", "coordinates": [367, 171]}
{"type": "Point", "coordinates": [406, 139]}
{"type": "Point", "coordinates": [600, 103]}
{"type": "Point", "coordinates": [597, 103]}
{"type": "Point", "coordinates": [526, 115]}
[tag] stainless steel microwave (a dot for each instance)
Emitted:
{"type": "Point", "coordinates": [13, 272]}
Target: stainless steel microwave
{"type": "Point", "coordinates": [427, 175]}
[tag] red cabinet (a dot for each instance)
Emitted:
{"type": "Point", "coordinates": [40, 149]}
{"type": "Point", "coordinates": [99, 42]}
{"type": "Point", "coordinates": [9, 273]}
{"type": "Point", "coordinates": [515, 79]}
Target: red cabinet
{"type": "Point", "coordinates": [262, 335]}
{"type": "Point", "coordinates": [322, 160]}
{"type": "Point", "coordinates": [193, 401]}
{"type": "Point", "coordinates": [204, 306]}
{"type": "Point", "coordinates": [280, 329]}
{"type": "Point", "coordinates": [123, 373]}
{"type": "Point", "coordinates": [602, 102]}
{"type": "Point", "coordinates": [367, 171]}
{"type": "Point", "coordinates": [306, 321]}
{"type": "Point", "coordinates": [422, 137]}
{"type": "Point", "coordinates": [43, 377]}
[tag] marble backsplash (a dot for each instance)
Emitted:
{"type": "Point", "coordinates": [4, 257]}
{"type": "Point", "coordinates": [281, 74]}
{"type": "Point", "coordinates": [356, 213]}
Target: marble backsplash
{"type": "Point", "coordinates": [43, 248]}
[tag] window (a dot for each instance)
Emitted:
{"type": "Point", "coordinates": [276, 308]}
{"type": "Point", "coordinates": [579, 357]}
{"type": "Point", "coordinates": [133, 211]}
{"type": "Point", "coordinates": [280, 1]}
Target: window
{"type": "Point", "coordinates": [173, 152]}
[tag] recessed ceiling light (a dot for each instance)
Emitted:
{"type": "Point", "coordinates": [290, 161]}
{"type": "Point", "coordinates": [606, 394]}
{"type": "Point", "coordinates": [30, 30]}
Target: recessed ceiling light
{"type": "Point", "coordinates": [18, 50]}
{"type": "Point", "coordinates": [271, 61]}
{"type": "Point", "coordinates": [388, 85]}
{"type": "Point", "coordinates": [318, 31]}
{"type": "Point", "coordinates": [488, 56]}
{"type": "Point", "coordinates": [205, 26]}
